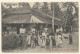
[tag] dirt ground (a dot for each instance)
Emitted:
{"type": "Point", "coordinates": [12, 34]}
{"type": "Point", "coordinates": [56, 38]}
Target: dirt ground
{"type": "Point", "coordinates": [65, 46]}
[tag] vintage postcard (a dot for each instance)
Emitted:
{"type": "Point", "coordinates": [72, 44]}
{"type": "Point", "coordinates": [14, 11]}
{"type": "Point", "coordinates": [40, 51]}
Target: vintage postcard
{"type": "Point", "coordinates": [29, 27]}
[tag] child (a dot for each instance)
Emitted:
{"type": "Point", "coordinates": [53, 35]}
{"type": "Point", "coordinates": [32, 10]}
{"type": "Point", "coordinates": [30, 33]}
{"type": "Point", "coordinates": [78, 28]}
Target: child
{"type": "Point", "coordinates": [32, 41]}
{"type": "Point", "coordinates": [43, 41]}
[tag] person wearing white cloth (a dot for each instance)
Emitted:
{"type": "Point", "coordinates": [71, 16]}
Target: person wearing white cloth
{"type": "Point", "coordinates": [61, 29]}
{"type": "Point", "coordinates": [44, 34]}
{"type": "Point", "coordinates": [57, 30]}
{"type": "Point", "coordinates": [29, 39]}
{"type": "Point", "coordinates": [46, 29]}
{"type": "Point", "coordinates": [22, 30]}
{"type": "Point", "coordinates": [23, 37]}
{"type": "Point", "coordinates": [58, 40]}
{"type": "Point", "coordinates": [33, 30]}
{"type": "Point", "coordinates": [40, 40]}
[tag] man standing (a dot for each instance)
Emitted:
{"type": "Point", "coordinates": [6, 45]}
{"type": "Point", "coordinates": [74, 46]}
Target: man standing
{"type": "Point", "coordinates": [70, 38]}
{"type": "Point", "coordinates": [23, 36]}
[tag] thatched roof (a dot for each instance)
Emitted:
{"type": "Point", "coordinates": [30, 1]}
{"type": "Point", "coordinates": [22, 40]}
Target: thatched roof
{"type": "Point", "coordinates": [20, 10]}
{"type": "Point", "coordinates": [23, 15]}
{"type": "Point", "coordinates": [18, 18]}
{"type": "Point", "coordinates": [34, 12]}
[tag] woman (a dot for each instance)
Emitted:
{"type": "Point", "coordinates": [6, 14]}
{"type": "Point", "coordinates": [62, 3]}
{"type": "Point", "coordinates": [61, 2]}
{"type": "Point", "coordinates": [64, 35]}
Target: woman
{"type": "Point", "coordinates": [58, 40]}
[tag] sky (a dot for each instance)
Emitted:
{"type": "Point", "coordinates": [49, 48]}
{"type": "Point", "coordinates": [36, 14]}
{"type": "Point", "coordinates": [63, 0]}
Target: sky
{"type": "Point", "coordinates": [32, 3]}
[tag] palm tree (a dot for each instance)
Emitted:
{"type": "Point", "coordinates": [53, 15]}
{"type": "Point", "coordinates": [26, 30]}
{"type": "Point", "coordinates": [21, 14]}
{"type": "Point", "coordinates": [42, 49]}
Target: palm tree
{"type": "Point", "coordinates": [4, 10]}
{"type": "Point", "coordinates": [52, 8]}
{"type": "Point", "coordinates": [36, 6]}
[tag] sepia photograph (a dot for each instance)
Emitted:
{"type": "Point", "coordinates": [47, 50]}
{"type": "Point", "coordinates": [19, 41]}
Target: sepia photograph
{"type": "Point", "coordinates": [40, 27]}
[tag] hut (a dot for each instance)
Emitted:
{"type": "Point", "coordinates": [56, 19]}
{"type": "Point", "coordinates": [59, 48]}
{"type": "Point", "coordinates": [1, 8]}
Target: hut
{"type": "Point", "coordinates": [23, 15]}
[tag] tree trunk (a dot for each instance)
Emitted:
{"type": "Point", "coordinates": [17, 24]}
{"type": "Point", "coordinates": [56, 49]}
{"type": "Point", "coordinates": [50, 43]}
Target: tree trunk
{"type": "Point", "coordinates": [53, 19]}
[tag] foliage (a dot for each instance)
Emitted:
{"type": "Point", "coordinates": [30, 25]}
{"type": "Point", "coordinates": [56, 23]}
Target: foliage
{"type": "Point", "coordinates": [71, 12]}
{"type": "Point", "coordinates": [10, 41]}
{"type": "Point", "coordinates": [36, 6]}
{"type": "Point", "coordinates": [66, 11]}
{"type": "Point", "coordinates": [24, 4]}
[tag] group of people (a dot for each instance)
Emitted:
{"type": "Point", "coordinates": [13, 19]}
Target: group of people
{"type": "Point", "coordinates": [44, 40]}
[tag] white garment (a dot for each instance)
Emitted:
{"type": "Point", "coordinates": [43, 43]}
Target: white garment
{"type": "Point", "coordinates": [29, 39]}
{"type": "Point", "coordinates": [59, 39]}
{"type": "Point", "coordinates": [39, 41]}
{"type": "Point", "coordinates": [22, 30]}
{"type": "Point", "coordinates": [61, 29]}
{"type": "Point", "coordinates": [33, 30]}
{"type": "Point", "coordinates": [43, 41]}
{"type": "Point", "coordinates": [46, 29]}
{"type": "Point", "coordinates": [57, 30]}
{"type": "Point", "coordinates": [44, 34]}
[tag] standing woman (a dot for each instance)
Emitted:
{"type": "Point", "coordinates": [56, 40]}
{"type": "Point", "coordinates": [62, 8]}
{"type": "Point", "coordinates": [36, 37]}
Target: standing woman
{"type": "Point", "coordinates": [58, 40]}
